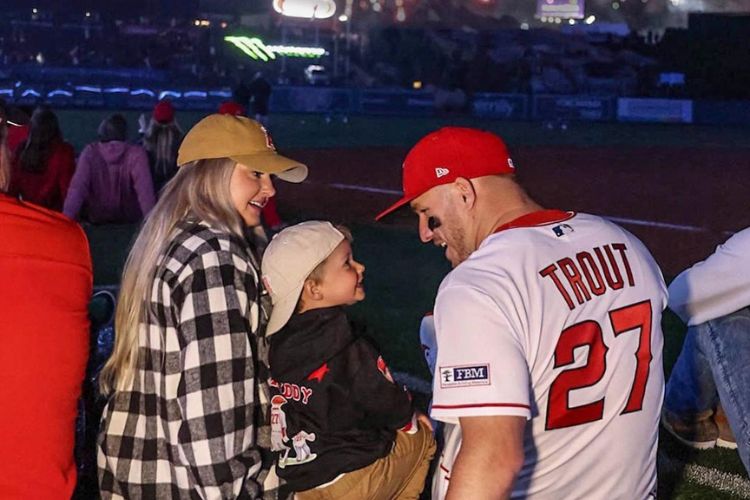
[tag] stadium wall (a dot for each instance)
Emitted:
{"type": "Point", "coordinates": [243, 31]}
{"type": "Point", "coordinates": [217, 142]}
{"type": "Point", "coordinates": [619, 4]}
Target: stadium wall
{"type": "Point", "coordinates": [395, 102]}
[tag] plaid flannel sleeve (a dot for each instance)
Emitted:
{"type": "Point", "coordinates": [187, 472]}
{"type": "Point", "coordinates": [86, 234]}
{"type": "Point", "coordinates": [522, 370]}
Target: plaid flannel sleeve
{"type": "Point", "coordinates": [216, 392]}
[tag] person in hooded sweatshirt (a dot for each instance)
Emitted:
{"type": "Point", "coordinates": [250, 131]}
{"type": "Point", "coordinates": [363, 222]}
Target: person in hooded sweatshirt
{"type": "Point", "coordinates": [112, 182]}
{"type": "Point", "coordinates": [340, 426]}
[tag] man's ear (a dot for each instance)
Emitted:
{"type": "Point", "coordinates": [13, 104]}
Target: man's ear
{"type": "Point", "coordinates": [466, 191]}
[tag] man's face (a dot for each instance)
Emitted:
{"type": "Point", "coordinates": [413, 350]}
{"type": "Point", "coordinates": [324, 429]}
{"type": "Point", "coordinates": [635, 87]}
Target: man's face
{"type": "Point", "coordinates": [441, 222]}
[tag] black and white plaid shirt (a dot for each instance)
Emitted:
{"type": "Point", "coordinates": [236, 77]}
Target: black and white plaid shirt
{"type": "Point", "coordinates": [194, 424]}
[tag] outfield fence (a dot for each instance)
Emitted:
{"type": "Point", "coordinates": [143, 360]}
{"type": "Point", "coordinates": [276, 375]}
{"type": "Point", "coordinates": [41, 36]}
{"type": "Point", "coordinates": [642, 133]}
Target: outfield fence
{"type": "Point", "coordinates": [394, 102]}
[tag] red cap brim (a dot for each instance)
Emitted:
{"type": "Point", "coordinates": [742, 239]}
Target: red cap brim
{"type": "Point", "coordinates": [400, 203]}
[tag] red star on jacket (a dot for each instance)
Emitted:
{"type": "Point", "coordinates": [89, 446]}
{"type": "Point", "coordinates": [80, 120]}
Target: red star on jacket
{"type": "Point", "coordinates": [320, 373]}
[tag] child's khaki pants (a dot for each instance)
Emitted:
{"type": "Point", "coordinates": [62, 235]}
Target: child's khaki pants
{"type": "Point", "coordinates": [399, 475]}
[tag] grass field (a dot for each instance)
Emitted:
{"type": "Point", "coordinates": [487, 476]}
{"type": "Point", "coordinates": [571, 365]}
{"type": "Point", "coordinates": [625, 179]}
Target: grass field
{"type": "Point", "coordinates": [402, 275]}
{"type": "Point", "coordinates": [314, 131]}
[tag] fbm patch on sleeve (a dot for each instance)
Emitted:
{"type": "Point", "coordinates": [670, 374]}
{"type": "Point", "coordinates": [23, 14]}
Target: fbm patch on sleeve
{"type": "Point", "coordinates": [465, 375]}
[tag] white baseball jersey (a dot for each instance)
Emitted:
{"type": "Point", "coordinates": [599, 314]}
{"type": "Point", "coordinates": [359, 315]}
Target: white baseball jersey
{"type": "Point", "coordinates": [557, 318]}
{"type": "Point", "coordinates": [718, 286]}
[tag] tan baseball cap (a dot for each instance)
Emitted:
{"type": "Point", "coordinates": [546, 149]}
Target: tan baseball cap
{"type": "Point", "coordinates": [287, 262]}
{"type": "Point", "coordinates": [241, 139]}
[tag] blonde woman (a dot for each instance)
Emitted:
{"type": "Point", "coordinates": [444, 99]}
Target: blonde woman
{"type": "Point", "coordinates": [161, 140]}
{"type": "Point", "coordinates": [187, 376]}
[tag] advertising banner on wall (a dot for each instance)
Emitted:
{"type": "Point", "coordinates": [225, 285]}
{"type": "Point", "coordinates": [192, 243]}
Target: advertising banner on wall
{"type": "Point", "coordinates": [310, 100]}
{"type": "Point", "coordinates": [396, 102]}
{"type": "Point", "coordinates": [655, 110]}
{"type": "Point", "coordinates": [720, 112]}
{"type": "Point", "coordinates": [561, 107]}
{"type": "Point", "coordinates": [503, 106]}
{"type": "Point", "coordinates": [566, 9]}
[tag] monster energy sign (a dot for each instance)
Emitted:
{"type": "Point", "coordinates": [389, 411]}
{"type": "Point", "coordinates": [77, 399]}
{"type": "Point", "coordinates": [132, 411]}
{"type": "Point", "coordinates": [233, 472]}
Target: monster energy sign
{"type": "Point", "coordinates": [254, 48]}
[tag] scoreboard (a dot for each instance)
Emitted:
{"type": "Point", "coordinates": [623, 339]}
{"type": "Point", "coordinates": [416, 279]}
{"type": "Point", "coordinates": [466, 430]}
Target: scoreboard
{"type": "Point", "coordinates": [565, 9]}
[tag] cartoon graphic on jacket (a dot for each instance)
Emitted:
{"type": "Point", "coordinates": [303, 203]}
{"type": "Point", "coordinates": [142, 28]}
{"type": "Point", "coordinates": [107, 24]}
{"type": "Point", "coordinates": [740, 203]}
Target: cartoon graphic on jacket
{"type": "Point", "coordinates": [334, 405]}
{"type": "Point", "coordinates": [279, 437]}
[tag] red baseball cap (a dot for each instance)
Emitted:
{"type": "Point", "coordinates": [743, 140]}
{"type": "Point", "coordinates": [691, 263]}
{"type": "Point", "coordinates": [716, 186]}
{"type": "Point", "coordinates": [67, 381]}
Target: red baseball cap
{"type": "Point", "coordinates": [163, 112]}
{"type": "Point", "coordinates": [231, 108]}
{"type": "Point", "coordinates": [447, 154]}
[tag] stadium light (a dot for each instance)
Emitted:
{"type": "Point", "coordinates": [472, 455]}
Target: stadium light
{"type": "Point", "coordinates": [138, 92]}
{"type": "Point", "coordinates": [56, 92]}
{"type": "Point", "coordinates": [169, 93]}
{"type": "Point", "coordinates": [310, 9]}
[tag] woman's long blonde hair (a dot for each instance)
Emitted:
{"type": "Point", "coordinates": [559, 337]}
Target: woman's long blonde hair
{"type": "Point", "coordinates": [199, 189]}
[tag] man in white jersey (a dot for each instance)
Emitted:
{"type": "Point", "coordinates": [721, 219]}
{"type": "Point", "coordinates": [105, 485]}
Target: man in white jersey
{"type": "Point", "coordinates": [549, 359]}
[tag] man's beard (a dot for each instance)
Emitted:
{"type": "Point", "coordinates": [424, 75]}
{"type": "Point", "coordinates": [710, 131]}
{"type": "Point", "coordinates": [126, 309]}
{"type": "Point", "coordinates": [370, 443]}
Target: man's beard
{"type": "Point", "coordinates": [456, 239]}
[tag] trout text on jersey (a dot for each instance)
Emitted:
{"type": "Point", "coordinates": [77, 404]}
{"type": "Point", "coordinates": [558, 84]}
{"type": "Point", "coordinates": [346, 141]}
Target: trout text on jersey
{"type": "Point", "coordinates": [590, 273]}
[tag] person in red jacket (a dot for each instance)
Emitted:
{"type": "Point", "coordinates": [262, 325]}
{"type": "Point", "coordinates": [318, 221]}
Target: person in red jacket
{"type": "Point", "coordinates": [44, 293]}
{"type": "Point", "coordinates": [43, 163]}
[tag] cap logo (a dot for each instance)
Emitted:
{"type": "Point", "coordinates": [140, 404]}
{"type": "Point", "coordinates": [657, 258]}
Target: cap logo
{"type": "Point", "coordinates": [269, 141]}
{"type": "Point", "coordinates": [441, 172]}
{"type": "Point", "coordinates": [510, 164]}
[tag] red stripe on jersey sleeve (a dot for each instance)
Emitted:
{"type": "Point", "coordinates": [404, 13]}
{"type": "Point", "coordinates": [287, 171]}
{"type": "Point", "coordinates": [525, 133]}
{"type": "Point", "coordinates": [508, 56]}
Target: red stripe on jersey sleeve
{"type": "Point", "coordinates": [483, 405]}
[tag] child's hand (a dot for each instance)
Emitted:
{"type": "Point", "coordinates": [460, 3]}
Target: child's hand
{"type": "Point", "coordinates": [421, 417]}
{"type": "Point", "coordinates": [412, 427]}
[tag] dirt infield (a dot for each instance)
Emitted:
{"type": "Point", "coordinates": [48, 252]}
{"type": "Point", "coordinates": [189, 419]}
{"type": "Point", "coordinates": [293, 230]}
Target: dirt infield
{"type": "Point", "coordinates": [681, 202]}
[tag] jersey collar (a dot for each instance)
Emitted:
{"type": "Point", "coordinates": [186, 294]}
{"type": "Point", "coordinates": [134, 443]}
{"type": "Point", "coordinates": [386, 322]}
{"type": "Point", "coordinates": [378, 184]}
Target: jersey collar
{"type": "Point", "coordinates": [535, 219]}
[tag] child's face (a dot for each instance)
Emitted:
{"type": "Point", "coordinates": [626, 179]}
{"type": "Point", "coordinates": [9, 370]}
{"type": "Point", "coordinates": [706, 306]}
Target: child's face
{"type": "Point", "coordinates": [342, 280]}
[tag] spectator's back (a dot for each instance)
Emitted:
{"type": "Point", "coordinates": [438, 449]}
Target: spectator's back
{"type": "Point", "coordinates": [112, 181]}
{"type": "Point", "coordinates": [44, 293]}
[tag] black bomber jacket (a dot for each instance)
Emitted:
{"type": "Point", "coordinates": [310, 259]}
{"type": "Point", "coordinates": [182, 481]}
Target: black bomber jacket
{"type": "Point", "coordinates": [334, 405]}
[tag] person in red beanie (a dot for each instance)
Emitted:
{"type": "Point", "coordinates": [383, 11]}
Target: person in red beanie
{"type": "Point", "coordinates": [231, 108]}
{"type": "Point", "coordinates": [271, 217]}
{"type": "Point", "coordinates": [44, 293]}
{"type": "Point", "coordinates": [161, 140]}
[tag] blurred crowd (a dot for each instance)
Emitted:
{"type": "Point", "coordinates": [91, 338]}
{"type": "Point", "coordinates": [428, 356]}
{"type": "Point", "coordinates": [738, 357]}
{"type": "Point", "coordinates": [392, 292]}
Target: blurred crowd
{"type": "Point", "coordinates": [112, 180]}
{"type": "Point", "coordinates": [450, 49]}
